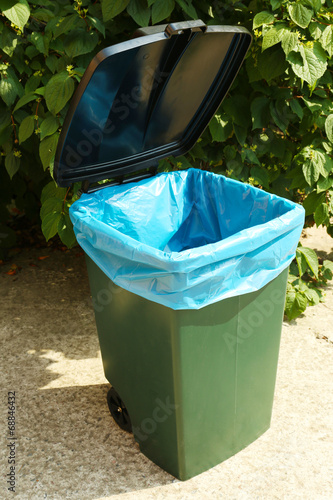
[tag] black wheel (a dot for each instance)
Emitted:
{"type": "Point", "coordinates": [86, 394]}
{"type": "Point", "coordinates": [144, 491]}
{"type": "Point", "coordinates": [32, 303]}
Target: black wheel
{"type": "Point", "coordinates": [118, 410]}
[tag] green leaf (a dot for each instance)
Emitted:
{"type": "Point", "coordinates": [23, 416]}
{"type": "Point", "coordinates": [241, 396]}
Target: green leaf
{"type": "Point", "coordinates": [198, 152]}
{"type": "Point", "coordinates": [311, 259]}
{"type": "Point", "coordinates": [271, 63]}
{"type": "Point", "coordinates": [312, 201]}
{"type": "Point", "coordinates": [65, 24]}
{"type": "Point", "coordinates": [18, 13]}
{"type": "Point", "coordinates": [262, 18]}
{"type": "Point", "coordinates": [161, 10]}
{"type": "Point", "coordinates": [5, 120]}
{"type": "Point", "coordinates": [328, 164]}
{"type": "Point", "coordinates": [300, 14]}
{"type": "Point", "coordinates": [275, 4]}
{"type": "Point", "coordinates": [219, 128]}
{"type": "Point", "coordinates": [329, 228]}
{"type": "Point", "coordinates": [51, 190]}
{"type": "Point", "coordinates": [97, 24]}
{"type": "Point", "coordinates": [327, 269]}
{"type": "Point", "coordinates": [139, 11]}
{"type": "Point", "coordinates": [289, 41]}
{"type": "Point", "coordinates": [314, 165]}
{"type": "Point", "coordinates": [8, 90]}
{"type": "Point", "coordinates": [311, 65]}
{"type": "Point", "coordinates": [58, 91]}
{"type": "Point", "coordinates": [321, 93]}
{"type": "Point", "coordinates": [240, 133]}
{"type": "Point", "coordinates": [312, 105]}
{"type": "Point", "coordinates": [40, 91]}
{"type": "Point", "coordinates": [111, 8]}
{"type": "Point", "coordinates": [183, 162]}
{"type": "Point", "coordinates": [313, 296]}
{"type": "Point", "coordinates": [235, 168]}
{"type": "Point", "coordinates": [43, 15]}
{"type": "Point", "coordinates": [51, 62]}
{"type": "Point", "coordinates": [6, 129]}
{"type": "Point", "coordinates": [260, 112]}
{"type": "Point", "coordinates": [329, 127]}
{"type": "Point", "coordinates": [321, 214]}
{"type": "Point", "coordinates": [260, 175]}
{"type": "Point", "coordinates": [48, 126]}
{"type": "Point", "coordinates": [8, 42]}
{"type": "Point", "coordinates": [24, 100]}
{"type": "Point", "coordinates": [257, 173]}
{"type": "Point", "coordinates": [326, 39]}
{"type": "Point", "coordinates": [316, 30]}
{"type": "Point", "coordinates": [310, 172]}
{"type": "Point", "coordinates": [301, 263]}
{"type": "Point", "coordinates": [51, 205]}
{"type": "Point", "coordinates": [32, 83]}
{"type": "Point", "coordinates": [300, 303]}
{"type": "Point", "coordinates": [65, 231]}
{"type": "Point", "coordinates": [238, 109]}
{"type": "Point", "coordinates": [315, 4]}
{"type": "Point", "coordinates": [47, 149]}
{"type": "Point", "coordinates": [31, 51]}
{"type": "Point", "coordinates": [187, 8]}
{"type": "Point", "coordinates": [26, 128]}
{"type": "Point", "coordinates": [79, 41]}
{"type": "Point", "coordinates": [41, 42]}
{"type": "Point", "coordinates": [296, 303]}
{"type": "Point", "coordinates": [230, 152]}
{"type": "Point", "coordinates": [50, 224]}
{"type": "Point", "coordinates": [328, 264]}
{"type": "Point", "coordinates": [278, 114]}
{"type": "Point", "coordinates": [272, 37]}
{"type": "Point", "coordinates": [297, 108]}
{"type": "Point", "coordinates": [252, 69]}
{"type": "Point", "coordinates": [12, 164]}
{"type": "Point", "coordinates": [324, 184]}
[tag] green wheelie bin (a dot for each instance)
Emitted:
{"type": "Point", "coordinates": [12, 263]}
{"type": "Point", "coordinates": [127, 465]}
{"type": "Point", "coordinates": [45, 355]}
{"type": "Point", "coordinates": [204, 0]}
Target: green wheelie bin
{"type": "Point", "coordinates": [187, 269]}
{"type": "Point", "coordinates": [196, 386]}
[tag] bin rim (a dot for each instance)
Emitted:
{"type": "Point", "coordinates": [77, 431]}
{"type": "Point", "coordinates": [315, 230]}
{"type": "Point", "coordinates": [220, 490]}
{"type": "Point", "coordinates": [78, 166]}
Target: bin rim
{"type": "Point", "coordinates": [87, 226]}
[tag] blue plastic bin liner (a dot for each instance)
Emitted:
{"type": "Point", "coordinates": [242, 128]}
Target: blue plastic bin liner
{"type": "Point", "coordinates": [187, 239]}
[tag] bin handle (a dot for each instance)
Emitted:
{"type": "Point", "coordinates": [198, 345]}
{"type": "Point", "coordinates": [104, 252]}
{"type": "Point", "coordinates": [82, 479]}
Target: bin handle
{"type": "Point", "coordinates": [179, 28]}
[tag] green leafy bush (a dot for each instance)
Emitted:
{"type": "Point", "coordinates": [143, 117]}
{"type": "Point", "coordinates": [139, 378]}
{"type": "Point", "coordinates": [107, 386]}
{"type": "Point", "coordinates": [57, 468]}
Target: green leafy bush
{"type": "Point", "coordinates": [306, 281]}
{"type": "Point", "coordinates": [273, 130]}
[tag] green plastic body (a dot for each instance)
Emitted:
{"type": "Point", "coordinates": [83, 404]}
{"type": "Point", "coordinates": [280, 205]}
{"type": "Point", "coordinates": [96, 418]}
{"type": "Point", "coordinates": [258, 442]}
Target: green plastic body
{"type": "Point", "coordinates": [198, 384]}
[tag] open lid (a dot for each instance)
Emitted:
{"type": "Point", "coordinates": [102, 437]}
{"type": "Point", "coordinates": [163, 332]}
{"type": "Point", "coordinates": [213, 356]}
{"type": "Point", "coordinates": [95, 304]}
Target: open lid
{"type": "Point", "coordinates": [146, 99]}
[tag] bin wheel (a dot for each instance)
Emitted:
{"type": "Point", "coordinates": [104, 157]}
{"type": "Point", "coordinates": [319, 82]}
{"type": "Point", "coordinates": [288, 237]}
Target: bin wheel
{"type": "Point", "coordinates": [118, 410]}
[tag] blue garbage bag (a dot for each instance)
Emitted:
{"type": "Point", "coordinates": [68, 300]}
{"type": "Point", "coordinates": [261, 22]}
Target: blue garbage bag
{"type": "Point", "coordinates": [187, 239]}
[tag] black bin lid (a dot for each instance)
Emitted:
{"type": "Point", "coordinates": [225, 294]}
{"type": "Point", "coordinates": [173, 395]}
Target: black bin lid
{"type": "Point", "coordinates": [146, 99]}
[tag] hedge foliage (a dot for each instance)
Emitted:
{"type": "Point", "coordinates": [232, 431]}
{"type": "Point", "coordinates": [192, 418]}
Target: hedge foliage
{"type": "Point", "coordinates": [274, 129]}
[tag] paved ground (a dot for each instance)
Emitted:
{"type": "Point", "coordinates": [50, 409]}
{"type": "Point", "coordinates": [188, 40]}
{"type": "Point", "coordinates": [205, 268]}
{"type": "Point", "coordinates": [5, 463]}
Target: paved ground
{"type": "Point", "coordinates": [67, 443]}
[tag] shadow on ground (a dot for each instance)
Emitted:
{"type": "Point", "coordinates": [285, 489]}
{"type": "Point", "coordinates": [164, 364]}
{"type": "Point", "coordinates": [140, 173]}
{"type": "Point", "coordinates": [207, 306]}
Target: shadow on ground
{"type": "Point", "coordinates": [68, 444]}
